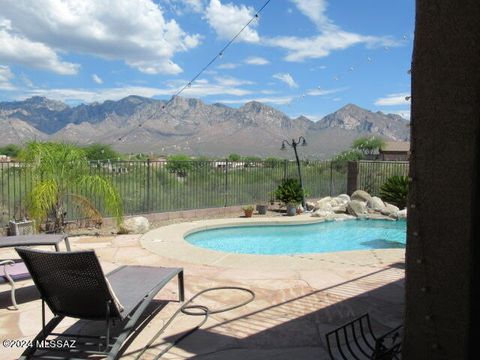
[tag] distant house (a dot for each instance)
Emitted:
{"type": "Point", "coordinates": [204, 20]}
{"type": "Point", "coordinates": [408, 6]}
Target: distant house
{"type": "Point", "coordinates": [395, 151]}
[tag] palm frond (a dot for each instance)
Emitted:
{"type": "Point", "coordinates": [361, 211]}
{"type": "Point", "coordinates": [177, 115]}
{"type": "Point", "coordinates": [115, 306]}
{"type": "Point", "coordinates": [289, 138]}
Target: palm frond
{"type": "Point", "coordinates": [42, 199]}
{"type": "Point", "coordinates": [85, 206]}
{"type": "Point", "coordinates": [101, 187]}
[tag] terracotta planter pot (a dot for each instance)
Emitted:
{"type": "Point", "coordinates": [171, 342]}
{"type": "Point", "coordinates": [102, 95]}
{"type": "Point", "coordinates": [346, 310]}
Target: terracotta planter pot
{"type": "Point", "coordinates": [248, 213]}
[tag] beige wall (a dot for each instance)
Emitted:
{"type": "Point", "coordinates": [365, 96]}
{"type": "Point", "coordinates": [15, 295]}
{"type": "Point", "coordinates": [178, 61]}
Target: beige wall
{"type": "Point", "coordinates": [444, 161]}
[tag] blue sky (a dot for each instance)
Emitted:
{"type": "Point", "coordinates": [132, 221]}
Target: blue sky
{"type": "Point", "coordinates": [305, 57]}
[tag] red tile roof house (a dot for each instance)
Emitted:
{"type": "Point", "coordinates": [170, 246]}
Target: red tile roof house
{"type": "Point", "coordinates": [395, 151]}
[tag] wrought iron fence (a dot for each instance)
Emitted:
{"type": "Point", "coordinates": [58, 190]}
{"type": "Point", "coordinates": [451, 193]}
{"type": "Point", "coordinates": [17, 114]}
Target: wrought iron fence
{"type": "Point", "coordinates": [161, 186]}
{"type": "Point", "coordinates": [373, 174]}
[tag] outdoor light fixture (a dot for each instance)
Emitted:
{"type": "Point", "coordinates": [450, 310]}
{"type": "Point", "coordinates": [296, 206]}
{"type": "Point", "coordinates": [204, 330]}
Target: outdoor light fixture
{"type": "Point", "coordinates": [301, 140]}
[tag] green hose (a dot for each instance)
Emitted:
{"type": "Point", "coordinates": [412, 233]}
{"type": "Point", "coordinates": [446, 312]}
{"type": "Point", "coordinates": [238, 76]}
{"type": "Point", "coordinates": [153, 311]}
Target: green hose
{"type": "Point", "coordinates": [195, 310]}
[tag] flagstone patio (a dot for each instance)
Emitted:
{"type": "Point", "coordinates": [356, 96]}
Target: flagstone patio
{"type": "Point", "coordinates": [293, 309]}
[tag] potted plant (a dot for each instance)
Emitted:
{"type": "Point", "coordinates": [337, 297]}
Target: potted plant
{"type": "Point", "coordinates": [262, 209]}
{"type": "Point", "coordinates": [290, 193]}
{"type": "Point", "coordinates": [291, 209]}
{"type": "Point", "coordinates": [248, 210]}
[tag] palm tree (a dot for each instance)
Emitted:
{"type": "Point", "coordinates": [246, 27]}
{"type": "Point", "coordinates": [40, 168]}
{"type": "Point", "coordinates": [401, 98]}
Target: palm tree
{"type": "Point", "coordinates": [61, 173]}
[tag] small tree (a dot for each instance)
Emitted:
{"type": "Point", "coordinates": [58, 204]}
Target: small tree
{"type": "Point", "coordinates": [100, 152]}
{"type": "Point", "coordinates": [61, 173]}
{"type": "Point", "coordinates": [234, 157]}
{"type": "Point", "coordinates": [179, 164]}
{"type": "Point", "coordinates": [340, 160]}
{"type": "Point", "coordinates": [11, 150]}
{"type": "Point", "coordinates": [289, 192]}
{"type": "Point", "coordinates": [368, 145]}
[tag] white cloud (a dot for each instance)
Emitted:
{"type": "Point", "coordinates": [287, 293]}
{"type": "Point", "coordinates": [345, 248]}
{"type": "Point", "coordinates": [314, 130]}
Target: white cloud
{"type": "Point", "coordinates": [231, 81]}
{"type": "Point", "coordinates": [97, 79]}
{"type": "Point", "coordinates": [286, 78]}
{"type": "Point", "coordinates": [322, 92]}
{"type": "Point", "coordinates": [195, 5]}
{"type": "Point", "coordinates": [6, 76]}
{"type": "Point", "coordinates": [228, 19]}
{"type": "Point", "coordinates": [256, 60]}
{"type": "Point", "coordinates": [315, 10]}
{"type": "Point", "coordinates": [330, 36]}
{"type": "Point", "coordinates": [133, 31]}
{"type": "Point", "coordinates": [228, 66]}
{"type": "Point", "coordinates": [200, 88]}
{"type": "Point", "coordinates": [393, 99]}
{"type": "Point", "coordinates": [19, 50]}
{"type": "Point", "coordinates": [300, 49]}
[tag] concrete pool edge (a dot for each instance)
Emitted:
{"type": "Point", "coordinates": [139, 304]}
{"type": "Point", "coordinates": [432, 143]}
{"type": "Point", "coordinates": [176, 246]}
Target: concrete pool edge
{"type": "Point", "coordinates": [168, 241]}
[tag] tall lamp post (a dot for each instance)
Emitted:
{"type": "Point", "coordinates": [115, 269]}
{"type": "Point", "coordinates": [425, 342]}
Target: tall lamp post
{"type": "Point", "coordinates": [301, 140]}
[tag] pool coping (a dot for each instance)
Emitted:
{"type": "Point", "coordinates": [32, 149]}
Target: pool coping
{"type": "Point", "coordinates": [168, 241]}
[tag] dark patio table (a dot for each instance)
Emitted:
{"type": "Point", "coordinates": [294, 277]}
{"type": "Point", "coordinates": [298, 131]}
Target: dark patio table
{"type": "Point", "coordinates": [35, 240]}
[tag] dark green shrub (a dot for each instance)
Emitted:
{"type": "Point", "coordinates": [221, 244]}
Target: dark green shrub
{"type": "Point", "coordinates": [179, 164]}
{"type": "Point", "coordinates": [289, 192]}
{"type": "Point", "coordinates": [395, 191]}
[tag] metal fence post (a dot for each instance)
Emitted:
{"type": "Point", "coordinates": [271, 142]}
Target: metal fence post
{"type": "Point", "coordinates": [148, 186]}
{"type": "Point", "coordinates": [285, 163]}
{"type": "Point", "coordinates": [225, 189]}
{"type": "Point", "coordinates": [331, 178]}
{"type": "Point", "coordinates": [352, 177]}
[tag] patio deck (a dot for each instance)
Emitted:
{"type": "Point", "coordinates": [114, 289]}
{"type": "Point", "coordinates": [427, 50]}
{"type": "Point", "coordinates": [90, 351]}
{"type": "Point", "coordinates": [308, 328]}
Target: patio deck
{"type": "Point", "coordinates": [293, 308]}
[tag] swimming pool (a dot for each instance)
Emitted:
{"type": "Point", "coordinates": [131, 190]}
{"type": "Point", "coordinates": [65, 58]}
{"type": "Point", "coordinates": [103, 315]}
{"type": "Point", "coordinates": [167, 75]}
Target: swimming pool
{"type": "Point", "coordinates": [303, 238]}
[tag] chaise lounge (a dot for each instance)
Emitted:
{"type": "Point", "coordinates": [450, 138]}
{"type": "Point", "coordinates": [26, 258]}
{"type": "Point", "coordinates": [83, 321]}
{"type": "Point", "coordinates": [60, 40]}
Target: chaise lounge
{"type": "Point", "coordinates": [73, 284]}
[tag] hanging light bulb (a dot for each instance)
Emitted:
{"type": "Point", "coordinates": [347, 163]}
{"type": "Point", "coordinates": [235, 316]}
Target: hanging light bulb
{"type": "Point", "coordinates": [304, 142]}
{"type": "Point", "coordinates": [283, 148]}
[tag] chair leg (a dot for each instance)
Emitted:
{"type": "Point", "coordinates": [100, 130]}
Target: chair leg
{"type": "Point", "coordinates": [181, 287]}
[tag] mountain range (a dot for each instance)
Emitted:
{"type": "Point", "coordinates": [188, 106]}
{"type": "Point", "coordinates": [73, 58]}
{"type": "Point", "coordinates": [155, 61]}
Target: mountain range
{"type": "Point", "coordinates": [182, 125]}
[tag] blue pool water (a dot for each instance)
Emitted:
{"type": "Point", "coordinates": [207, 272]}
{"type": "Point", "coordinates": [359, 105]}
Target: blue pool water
{"type": "Point", "coordinates": [302, 239]}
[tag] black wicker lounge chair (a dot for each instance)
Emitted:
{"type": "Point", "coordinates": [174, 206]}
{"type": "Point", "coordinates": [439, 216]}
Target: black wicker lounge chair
{"type": "Point", "coordinates": [356, 340]}
{"type": "Point", "coordinates": [73, 284]}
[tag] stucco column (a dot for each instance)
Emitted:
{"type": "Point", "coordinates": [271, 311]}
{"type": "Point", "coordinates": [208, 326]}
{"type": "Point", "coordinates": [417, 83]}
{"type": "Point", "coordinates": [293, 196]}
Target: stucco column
{"type": "Point", "coordinates": [444, 163]}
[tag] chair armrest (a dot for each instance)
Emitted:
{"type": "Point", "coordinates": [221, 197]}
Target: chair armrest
{"type": "Point", "coordinates": [5, 263]}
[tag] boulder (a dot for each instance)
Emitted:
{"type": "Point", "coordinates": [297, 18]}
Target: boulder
{"type": "Point", "coordinates": [344, 198]}
{"type": "Point", "coordinates": [402, 214]}
{"type": "Point", "coordinates": [361, 195]}
{"type": "Point", "coordinates": [322, 213]}
{"type": "Point", "coordinates": [356, 208]}
{"type": "Point", "coordinates": [324, 204]}
{"type": "Point", "coordinates": [340, 208]}
{"type": "Point", "coordinates": [136, 225]}
{"type": "Point", "coordinates": [310, 205]}
{"type": "Point", "coordinates": [375, 203]}
{"type": "Point", "coordinates": [389, 209]}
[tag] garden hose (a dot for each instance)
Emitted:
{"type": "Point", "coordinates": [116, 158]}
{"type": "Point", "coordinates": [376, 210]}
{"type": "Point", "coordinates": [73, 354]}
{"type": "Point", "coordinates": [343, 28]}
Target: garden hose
{"type": "Point", "coordinates": [195, 310]}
